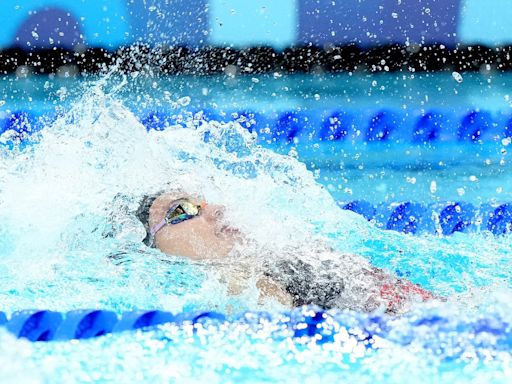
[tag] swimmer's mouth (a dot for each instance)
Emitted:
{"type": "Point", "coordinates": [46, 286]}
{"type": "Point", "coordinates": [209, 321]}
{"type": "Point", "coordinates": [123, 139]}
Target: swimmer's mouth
{"type": "Point", "coordinates": [227, 230]}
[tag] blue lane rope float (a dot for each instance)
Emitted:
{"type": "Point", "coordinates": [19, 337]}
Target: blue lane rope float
{"type": "Point", "coordinates": [3, 319]}
{"type": "Point", "coordinates": [507, 132]}
{"type": "Point", "coordinates": [474, 125]}
{"type": "Point", "coordinates": [500, 220]}
{"type": "Point", "coordinates": [142, 319]}
{"type": "Point", "coordinates": [34, 325]}
{"type": "Point", "coordinates": [288, 126]}
{"type": "Point", "coordinates": [408, 217]}
{"type": "Point", "coordinates": [416, 218]}
{"type": "Point", "coordinates": [428, 127]}
{"type": "Point", "coordinates": [84, 324]}
{"type": "Point", "coordinates": [381, 126]}
{"type": "Point", "coordinates": [456, 217]}
{"type": "Point", "coordinates": [336, 126]}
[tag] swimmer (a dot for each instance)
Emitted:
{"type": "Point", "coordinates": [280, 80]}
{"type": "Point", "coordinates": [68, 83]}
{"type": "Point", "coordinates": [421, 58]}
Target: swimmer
{"type": "Point", "coordinates": [183, 225]}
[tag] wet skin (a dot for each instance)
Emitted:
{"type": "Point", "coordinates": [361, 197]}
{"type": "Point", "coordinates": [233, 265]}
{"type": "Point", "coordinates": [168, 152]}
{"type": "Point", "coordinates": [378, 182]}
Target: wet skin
{"type": "Point", "coordinates": [207, 237]}
{"type": "Point", "coordinates": [204, 238]}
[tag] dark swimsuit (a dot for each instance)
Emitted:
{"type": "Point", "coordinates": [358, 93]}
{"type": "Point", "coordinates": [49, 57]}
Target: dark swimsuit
{"type": "Point", "coordinates": [308, 285]}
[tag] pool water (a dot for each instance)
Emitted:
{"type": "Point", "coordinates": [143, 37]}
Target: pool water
{"type": "Point", "coordinates": [69, 241]}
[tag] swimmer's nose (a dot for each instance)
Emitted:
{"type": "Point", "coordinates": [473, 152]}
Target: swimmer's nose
{"type": "Point", "coordinates": [213, 212]}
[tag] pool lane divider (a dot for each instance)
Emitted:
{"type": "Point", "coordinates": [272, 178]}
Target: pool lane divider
{"type": "Point", "coordinates": [44, 325]}
{"type": "Point", "coordinates": [303, 324]}
{"type": "Point", "coordinates": [439, 218]}
{"type": "Point", "coordinates": [386, 125]}
{"type": "Point", "coordinates": [391, 126]}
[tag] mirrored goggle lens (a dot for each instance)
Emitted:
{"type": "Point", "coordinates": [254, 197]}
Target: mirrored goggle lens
{"type": "Point", "coordinates": [182, 209]}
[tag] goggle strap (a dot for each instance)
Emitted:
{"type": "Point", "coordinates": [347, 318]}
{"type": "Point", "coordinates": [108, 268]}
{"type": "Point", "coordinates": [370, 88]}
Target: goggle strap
{"type": "Point", "coordinates": [164, 221]}
{"type": "Point", "coordinates": [158, 227]}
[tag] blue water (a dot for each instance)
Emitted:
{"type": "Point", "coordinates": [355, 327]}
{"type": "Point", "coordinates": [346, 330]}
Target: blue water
{"type": "Point", "coordinates": [60, 194]}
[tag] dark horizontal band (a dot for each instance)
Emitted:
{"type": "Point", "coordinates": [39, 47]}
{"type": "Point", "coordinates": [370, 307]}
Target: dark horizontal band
{"type": "Point", "coordinates": [299, 59]}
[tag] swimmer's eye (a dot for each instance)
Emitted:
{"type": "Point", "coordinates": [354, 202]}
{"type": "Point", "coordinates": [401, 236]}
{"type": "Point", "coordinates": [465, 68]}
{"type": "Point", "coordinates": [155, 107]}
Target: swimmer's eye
{"type": "Point", "coordinates": [179, 211]}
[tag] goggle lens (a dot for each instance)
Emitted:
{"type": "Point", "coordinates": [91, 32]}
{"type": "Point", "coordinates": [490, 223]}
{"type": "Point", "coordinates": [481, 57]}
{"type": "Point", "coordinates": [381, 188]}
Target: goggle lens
{"type": "Point", "coordinates": [182, 211]}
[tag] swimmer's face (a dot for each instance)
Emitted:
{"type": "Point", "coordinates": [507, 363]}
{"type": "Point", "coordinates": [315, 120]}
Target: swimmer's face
{"type": "Point", "coordinates": [203, 237]}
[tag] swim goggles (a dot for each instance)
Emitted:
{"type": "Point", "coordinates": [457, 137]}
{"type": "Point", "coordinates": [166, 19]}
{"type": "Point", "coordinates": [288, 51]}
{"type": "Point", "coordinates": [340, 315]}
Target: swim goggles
{"type": "Point", "coordinates": [179, 211]}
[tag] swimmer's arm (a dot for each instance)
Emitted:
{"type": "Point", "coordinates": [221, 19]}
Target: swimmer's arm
{"type": "Point", "coordinates": [236, 279]}
{"type": "Point", "coordinates": [269, 289]}
{"type": "Point", "coordinates": [394, 293]}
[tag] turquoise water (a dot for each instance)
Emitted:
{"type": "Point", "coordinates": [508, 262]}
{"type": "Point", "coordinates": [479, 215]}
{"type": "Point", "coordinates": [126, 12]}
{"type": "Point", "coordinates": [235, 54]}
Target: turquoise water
{"type": "Point", "coordinates": [82, 178]}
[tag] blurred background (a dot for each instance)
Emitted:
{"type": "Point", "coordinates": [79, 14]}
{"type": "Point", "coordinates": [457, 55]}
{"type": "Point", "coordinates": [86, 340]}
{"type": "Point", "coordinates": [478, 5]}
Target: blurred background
{"type": "Point", "coordinates": [238, 23]}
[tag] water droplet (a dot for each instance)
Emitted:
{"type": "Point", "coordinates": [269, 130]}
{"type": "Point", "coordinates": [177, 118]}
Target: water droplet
{"type": "Point", "coordinates": [394, 15]}
{"type": "Point", "coordinates": [317, 96]}
{"type": "Point", "coordinates": [458, 77]}
{"type": "Point", "coordinates": [293, 152]}
{"type": "Point", "coordinates": [184, 101]}
{"type": "Point", "coordinates": [433, 186]}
